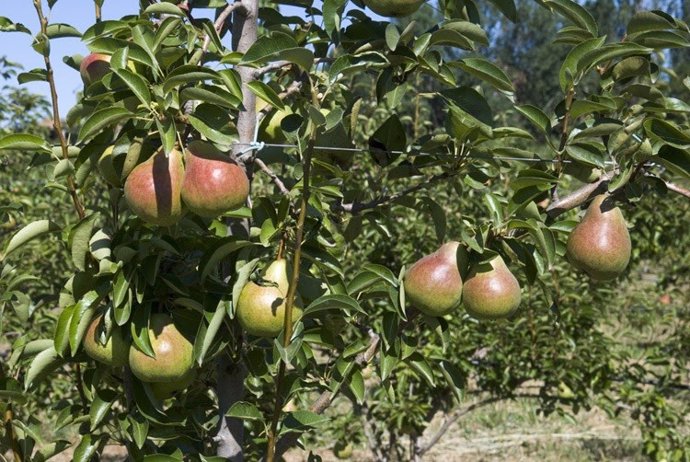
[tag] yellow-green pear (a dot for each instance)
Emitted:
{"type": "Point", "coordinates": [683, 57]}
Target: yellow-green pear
{"type": "Point", "coordinates": [491, 291]}
{"type": "Point", "coordinates": [261, 306]}
{"type": "Point", "coordinates": [174, 357]}
{"type": "Point", "coordinates": [114, 352]}
{"type": "Point", "coordinates": [433, 284]}
{"type": "Point", "coordinates": [600, 244]}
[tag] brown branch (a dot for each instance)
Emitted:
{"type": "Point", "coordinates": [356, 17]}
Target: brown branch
{"type": "Point", "coordinates": [292, 290]}
{"type": "Point", "coordinates": [325, 399]}
{"type": "Point", "coordinates": [277, 65]}
{"type": "Point", "coordinates": [271, 174]}
{"type": "Point", "coordinates": [450, 420]}
{"type": "Point", "coordinates": [218, 25]}
{"type": "Point", "coordinates": [10, 435]}
{"type": "Point", "coordinates": [356, 207]}
{"type": "Point", "coordinates": [677, 189]}
{"type": "Point", "coordinates": [57, 123]}
{"type": "Point", "coordinates": [579, 196]}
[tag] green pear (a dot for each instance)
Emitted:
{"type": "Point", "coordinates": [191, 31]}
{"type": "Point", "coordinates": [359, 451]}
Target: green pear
{"type": "Point", "coordinates": [394, 8]}
{"type": "Point", "coordinates": [270, 130]}
{"type": "Point", "coordinates": [165, 390]}
{"type": "Point", "coordinates": [433, 284]}
{"type": "Point", "coordinates": [114, 352]}
{"type": "Point", "coordinates": [261, 307]}
{"type": "Point", "coordinates": [152, 189]}
{"type": "Point", "coordinates": [491, 291]}
{"type": "Point", "coordinates": [174, 358]}
{"type": "Point", "coordinates": [600, 244]}
{"type": "Point", "coordinates": [213, 183]}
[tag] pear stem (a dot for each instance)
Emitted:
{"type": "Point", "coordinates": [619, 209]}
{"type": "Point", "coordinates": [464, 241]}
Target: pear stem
{"type": "Point", "coordinates": [292, 290]}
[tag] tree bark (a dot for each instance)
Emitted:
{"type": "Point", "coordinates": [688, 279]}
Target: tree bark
{"type": "Point", "coordinates": [230, 375]}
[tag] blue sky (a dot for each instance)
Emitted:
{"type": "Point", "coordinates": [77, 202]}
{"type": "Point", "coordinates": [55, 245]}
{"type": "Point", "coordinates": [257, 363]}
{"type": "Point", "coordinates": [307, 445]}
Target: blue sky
{"type": "Point", "coordinates": [16, 46]}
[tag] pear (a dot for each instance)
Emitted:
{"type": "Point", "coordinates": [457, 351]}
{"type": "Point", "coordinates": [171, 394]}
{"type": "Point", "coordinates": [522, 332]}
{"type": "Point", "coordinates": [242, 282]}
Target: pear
{"type": "Point", "coordinates": [174, 359]}
{"type": "Point", "coordinates": [394, 8]}
{"type": "Point", "coordinates": [94, 67]}
{"type": "Point", "coordinates": [433, 284]}
{"type": "Point", "coordinates": [115, 350]}
{"type": "Point", "coordinates": [491, 291]}
{"type": "Point", "coordinates": [213, 182]}
{"type": "Point", "coordinates": [165, 390]}
{"type": "Point", "coordinates": [152, 189]}
{"type": "Point", "coordinates": [261, 307]}
{"type": "Point", "coordinates": [600, 245]}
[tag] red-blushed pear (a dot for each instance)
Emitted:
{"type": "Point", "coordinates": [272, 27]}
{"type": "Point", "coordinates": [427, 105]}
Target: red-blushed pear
{"type": "Point", "coordinates": [213, 182]}
{"type": "Point", "coordinates": [394, 8]}
{"type": "Point", "coordinates": [491, 291]}
{"type": "Point", "coordinates": [152, 189]}
{"type": "Point", "coordinates": [114, 352]}
{"type": "Point", "coordinates": [600, 244]}
{"type": "Point", "coordinates": [433, 284]}
{"type": "Point", "coordinates": [94, 67]}
{"type": "Point", "coordinates": [261, 307]}
{"type": "Point", "coordinates": [174, 358]}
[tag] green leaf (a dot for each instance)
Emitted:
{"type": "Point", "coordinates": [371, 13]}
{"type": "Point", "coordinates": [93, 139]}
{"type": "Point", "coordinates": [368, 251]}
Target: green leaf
{"type": "Point", "coordinates": [663, 130]}
{"type": "Point", "coordinates": [164, 8]}
{"type": "Point", "coordinates": [213, 257]}
{"type": "Point", "coordinates": [675, 159]}
{"type": "Point", "coordinates": [536, 116]}
{"type": "Point", "coordinates": [100, 407]}
{"type": "Point", "coordinates": [57, 30]}
{"type": "Point", "coordinates": [487, 72]}
{"type": "Point", "coordinates": [575, 13]}
{"type": "Point", "coordinates": [28, 233]}
{"type": "Point", "coordinates": [45, 362]}
{"type": "Point", "coordinates": [24, 142]}
{"type": "Point", "coordinates": [61, 337]}
{"type": "Point", "coordinates": [83, 312]}
{"type": "Point", "coordinates": [213, 328]}
{"type": "Point", "coordinates": [188, 74]}
{"type": "Point", "coordinates": [135, 83]}
{"type": "Point", "coordinates": [569, 69]}
{"type": "Point", "coordinates": [645, 21]}
{"type": "Point", "coordinates": [266, 93]}
{"type": "Point", "coordinates": [101, 119]}
{"type": "Point", "coordinates": [471, 102]}
{"type": "Point", "coordinates": [79, 238]}
{"type": "Point", "coordinates": [507, 7]}
{"type": "Point", "coordinates": [586, 154]}
{"type": "Point", "coordinates": [210, 94]}
{"type": "Point", "coordinates": [332, 9]}
{"type": "Point", "coordinates": [35, 75]}
{"type": "Point", "coordinates": [85, 450]}
{"type": "Point", "coordinates": [214, 123]}
{"type": "Point", "coordinates": [268, 47]}
{"type": "Point", "coordinates": [333, 302]}
{"type": "Point", "coordinates": [299, 420]}
{"type": "Point", "coordinates": [6, 25]}
{"type": "Point", "coordinates": [609, 52]}
{"type": "Point", "coordinates": [392, 36]}
{"type": "Point", "coordinates": [245, 411]}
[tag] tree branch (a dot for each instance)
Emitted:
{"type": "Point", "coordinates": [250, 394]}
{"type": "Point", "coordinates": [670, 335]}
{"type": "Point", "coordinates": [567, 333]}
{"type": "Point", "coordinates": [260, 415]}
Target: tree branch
{"type": "Point", "coordinates": [218, 25]}
{"type": "Point", "coordinates": [579, 196]}
{"type": "Point", "coordinates": [677, 189]}
{"type": "Point", "coordinates": [271, 174]}
{"type": "Point", "coordinates": [356, 207]}
{"type": "Point", "coordinates": [325, 399]}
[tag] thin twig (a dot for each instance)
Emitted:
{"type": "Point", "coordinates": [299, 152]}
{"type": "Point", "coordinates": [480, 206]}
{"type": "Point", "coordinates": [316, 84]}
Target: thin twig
{"type": "Point", "coordinates": [271, 174]}
{"type": "Point", "coordinates": [218, 25]}
{"type": "Point", "coordinates": [292, 290]}
{"type": "Point", "coordinates": [325, 399]}
{"type": "Point", "coordinates": [57, 124]}
{"type": "Point", "coordinates": [677, 189]}
{"type": "Point", "coordinates": [356, 207]}
{"type": "Point", "coordinates": [10, 435]}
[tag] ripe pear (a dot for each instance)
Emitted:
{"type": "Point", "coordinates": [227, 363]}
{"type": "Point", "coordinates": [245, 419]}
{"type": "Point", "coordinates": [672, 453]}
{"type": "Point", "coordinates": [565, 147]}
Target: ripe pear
{"type": "Point", "coordinates": [94, 67]}
{"type": "Point", "coordinates": [164, 390]}
{"type": "Point", "coordinates": [394, 8]}
{"type": "Point", "coordinates": [213, 183]}
{"type": "Point", "coordinates": [116, 349]}
{"type": "Point", "coordinates": [491, 291]}
{"type": "Point", "coordinates": [433, 284]}
{"type": "Point", "coordinates": [174, 359]}
{"type": "Point", "coordinates": [152, 189]}
{"type": "Point", "coordinates": [261, 307]}
{"type": "Point", "coordinates": [600, 245]}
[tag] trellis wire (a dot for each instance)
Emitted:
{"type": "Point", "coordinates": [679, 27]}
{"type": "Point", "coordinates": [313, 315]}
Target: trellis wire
{"type": "Point", "coordinates": [257, 146]}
